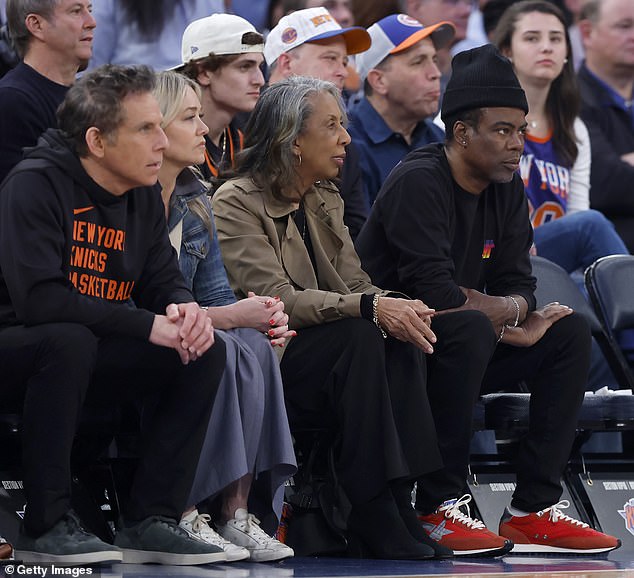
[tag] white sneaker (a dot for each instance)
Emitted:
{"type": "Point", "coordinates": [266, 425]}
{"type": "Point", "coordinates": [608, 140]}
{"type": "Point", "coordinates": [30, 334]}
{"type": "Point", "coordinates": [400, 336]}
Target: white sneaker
{"type": "Point", "coordinates": [197, 526]}
{"type": "Point", "coordinates": [244, 530]}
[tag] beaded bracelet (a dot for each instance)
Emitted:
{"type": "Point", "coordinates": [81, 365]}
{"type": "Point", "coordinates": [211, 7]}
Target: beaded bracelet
{"type": "Point", "coordinates": [375, 315]}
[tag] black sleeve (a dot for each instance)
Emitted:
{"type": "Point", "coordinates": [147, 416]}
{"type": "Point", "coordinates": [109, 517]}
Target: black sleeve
{"type": "Point", "coordinates": [33, 248]}
{"type": "Point", "coordinates": [351, 189]}
{"type": "Point", "coordinates": [610, 177]}
{"type": "Point", "coordinates": [20, 126]}
{"type": "Point", "coordinates": [511, 273]}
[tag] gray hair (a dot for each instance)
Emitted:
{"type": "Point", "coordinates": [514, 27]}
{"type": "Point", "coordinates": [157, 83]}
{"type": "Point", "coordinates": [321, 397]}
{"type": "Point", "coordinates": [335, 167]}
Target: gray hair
{"type": "Point", "coordinates": [17, 11]}
{"type": "Point", "coordinates": [278, 118]}
{"type": "Point", "coordinates": [96, 100]}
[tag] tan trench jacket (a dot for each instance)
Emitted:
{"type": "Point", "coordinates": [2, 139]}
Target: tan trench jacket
{"type": "Point", "coordinates": [264, 252]}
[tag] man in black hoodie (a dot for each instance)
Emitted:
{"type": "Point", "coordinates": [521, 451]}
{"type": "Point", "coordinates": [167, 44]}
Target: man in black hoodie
{"type": "Point", "coordinates": [92, 304]}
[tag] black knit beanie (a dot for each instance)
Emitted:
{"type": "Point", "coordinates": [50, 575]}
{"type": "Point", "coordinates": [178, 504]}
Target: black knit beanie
{"type": "Point", "coordinates": [482, 78]}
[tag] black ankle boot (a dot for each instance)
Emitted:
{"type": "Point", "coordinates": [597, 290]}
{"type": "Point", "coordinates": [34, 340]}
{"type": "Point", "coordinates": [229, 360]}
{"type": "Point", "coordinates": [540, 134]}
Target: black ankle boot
{"type": "Point", "coordinates": [402, 492]}
{"type": "Point", "coordinates": [377, 526]}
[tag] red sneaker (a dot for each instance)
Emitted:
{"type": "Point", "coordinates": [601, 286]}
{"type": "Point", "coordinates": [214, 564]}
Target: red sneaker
{"type": "Point", "coordinates": [464, 535]}
{"type": "Point", "coordinates": [553, 531]}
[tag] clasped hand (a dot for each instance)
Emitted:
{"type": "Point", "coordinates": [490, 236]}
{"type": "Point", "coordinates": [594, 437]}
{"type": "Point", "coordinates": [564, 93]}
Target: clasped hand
{"type": "Point", "coordinates": [266, 314]}
{"type": "Point", "coordinates": [186, 328]}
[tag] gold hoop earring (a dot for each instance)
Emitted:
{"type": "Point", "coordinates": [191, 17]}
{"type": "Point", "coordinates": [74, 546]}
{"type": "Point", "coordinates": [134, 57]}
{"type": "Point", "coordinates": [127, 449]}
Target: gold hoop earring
{"type": "Point", "coordinates": [299, 156]}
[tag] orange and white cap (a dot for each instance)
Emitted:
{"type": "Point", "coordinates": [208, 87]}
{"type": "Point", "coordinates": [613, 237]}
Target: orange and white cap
{"type": "Point", "coordinates": [308, 25]}
{"type": "Point", "coordinates": [398, 32]}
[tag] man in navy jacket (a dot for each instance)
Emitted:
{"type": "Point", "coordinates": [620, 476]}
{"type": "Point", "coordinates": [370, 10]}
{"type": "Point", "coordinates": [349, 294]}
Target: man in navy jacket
{"type": "Point", "coordinates": [606, 80]}
{"type": "Point", "coordinates": [54, 41]}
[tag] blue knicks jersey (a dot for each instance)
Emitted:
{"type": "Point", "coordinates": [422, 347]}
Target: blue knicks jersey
{"type": "Point", "coordinates": [546, 180]}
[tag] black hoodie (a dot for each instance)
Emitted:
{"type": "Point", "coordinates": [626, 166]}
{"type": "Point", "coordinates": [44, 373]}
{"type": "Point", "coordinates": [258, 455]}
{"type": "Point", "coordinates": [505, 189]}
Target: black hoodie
{"type": "Point", "coordinates": [70, 251]}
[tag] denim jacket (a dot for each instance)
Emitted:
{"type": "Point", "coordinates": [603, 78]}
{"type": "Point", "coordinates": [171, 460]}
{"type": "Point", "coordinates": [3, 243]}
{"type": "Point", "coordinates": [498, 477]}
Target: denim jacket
{"type": "Point", "coordinates": [200, 258]}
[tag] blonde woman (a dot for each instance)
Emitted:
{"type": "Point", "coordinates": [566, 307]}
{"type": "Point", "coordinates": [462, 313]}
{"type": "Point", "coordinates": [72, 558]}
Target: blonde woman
{"type": "Point", "coordinates": [248, 449]}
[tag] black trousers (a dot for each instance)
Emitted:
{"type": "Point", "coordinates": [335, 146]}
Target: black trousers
{"type": "Point", "coordinates": [345, 375]}
{"type": "Point", "coordinates": [467, 362]}
{"type": "Point", "coordinates": [52, 367]}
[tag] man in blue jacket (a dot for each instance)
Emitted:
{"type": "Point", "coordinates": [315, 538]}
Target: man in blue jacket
{"type": "Point", "coordinates": [606, 82]}
{"type": "Point", "coordinates": [401, 94]}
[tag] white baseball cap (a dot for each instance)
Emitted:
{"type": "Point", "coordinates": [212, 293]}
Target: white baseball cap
{"type": "Point", "coordinates": [309, 25]}
{"type": "Point", "coordinates": [398, 32]}
{"type": "Point", "coordinates": [217, 34]}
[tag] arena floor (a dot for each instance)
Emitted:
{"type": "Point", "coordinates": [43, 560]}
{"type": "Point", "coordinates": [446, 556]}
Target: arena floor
{"type": "Point", "coordinates": [619, 563]}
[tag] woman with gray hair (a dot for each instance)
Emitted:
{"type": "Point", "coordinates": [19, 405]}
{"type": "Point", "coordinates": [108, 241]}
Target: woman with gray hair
{"type": "Point", "coordinates": [357, 364]}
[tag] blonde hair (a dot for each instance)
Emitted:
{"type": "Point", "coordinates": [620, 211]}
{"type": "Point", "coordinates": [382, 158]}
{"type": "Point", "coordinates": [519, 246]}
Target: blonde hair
{"type": "Point", "coordinates": [169, 91]}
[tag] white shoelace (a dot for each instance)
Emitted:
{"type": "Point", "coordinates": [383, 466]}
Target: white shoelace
{"type": "Point", "coordinates": [556, 514]}
{"type": "Point", "coordinates": [452, 511]}
{"type": "Point", "coordinates": [252, 528]}
{"type": "Point", "coordinates": [201, 526]}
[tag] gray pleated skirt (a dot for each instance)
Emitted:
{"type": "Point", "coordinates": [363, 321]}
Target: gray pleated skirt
{"type": "Point", "coordinates": [248, 430]}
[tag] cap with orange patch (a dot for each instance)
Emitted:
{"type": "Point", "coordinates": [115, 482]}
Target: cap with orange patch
{"type": "Point", "coordinates": [310, 25]}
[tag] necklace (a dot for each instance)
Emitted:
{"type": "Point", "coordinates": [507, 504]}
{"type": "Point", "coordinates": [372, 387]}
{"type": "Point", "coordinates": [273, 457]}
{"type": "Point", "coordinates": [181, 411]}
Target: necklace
{"type": "Point", "coordinates": [223, 146]}
{"type": "Point", "coordinates": [226, 142]}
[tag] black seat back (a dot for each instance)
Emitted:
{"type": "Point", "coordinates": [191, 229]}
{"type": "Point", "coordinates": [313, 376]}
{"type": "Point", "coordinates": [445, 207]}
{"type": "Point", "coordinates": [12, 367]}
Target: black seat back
{"type": "Point", "coordinates": [610, 285]}
{"type": "Point", "coordinates": [555, 284]}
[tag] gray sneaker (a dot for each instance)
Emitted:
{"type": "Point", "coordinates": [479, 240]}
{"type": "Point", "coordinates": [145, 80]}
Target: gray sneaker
{"type": "Point", "coordinates": [66, 544]}
{"type": "Point", "coordinates": [160, 540]}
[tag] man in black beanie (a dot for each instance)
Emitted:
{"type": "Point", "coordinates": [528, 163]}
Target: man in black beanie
{"type": "Point", "coordinates": [450, 226]}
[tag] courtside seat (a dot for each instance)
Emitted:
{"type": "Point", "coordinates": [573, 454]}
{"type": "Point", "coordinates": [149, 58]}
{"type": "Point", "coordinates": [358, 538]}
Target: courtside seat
{"type": "Point", "coordinates": [610, 282]}
{"type": "Point", "coordinates": [508, 412]}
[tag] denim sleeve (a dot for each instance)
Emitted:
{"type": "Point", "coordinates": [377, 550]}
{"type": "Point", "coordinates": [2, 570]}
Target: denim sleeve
{"type": "Point", "coordinates": [210, 284]}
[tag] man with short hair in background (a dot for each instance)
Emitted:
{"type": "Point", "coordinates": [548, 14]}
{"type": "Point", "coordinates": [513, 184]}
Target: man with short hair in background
{"type": "Point", "coordinates": [54, 40]}
{"type": "Point", "coordinates": [455, 11]}
{"type": "Point", "coordinates": [606, 81]}
{"type": "Point", "coordinates": [402, 90]}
